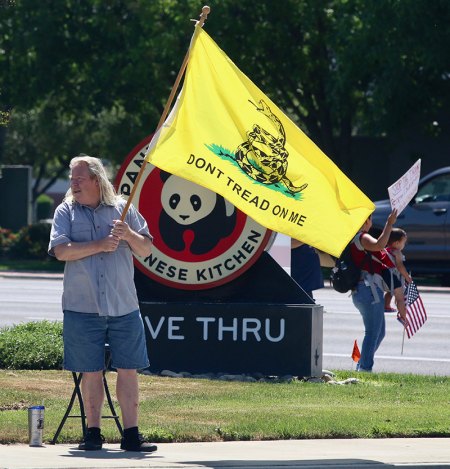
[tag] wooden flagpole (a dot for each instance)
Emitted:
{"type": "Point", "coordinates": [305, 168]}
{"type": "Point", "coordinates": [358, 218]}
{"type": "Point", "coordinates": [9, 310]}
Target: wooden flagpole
{"type": "Point", "coordinates": [198, 24]}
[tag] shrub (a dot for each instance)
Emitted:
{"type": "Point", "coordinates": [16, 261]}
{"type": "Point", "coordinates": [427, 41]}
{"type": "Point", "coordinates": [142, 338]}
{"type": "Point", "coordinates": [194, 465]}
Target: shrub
{"type": "Point", "coordinates": [31, 242]}
{"type": "Point", "coordinates": [44, 204]}
{"type": "Point", "coordinates": [32, 346]}
{"type": "Point", "coordinates": [7, 240]}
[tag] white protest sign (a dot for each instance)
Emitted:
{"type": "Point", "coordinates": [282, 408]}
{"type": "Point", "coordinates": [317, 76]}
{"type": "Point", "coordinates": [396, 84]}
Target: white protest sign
{"type": "Point", "coordinates": [405, 188]}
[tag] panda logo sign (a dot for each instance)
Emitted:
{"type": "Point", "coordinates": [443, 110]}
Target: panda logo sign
{"type": "Point", "coordinates": [200, 240]}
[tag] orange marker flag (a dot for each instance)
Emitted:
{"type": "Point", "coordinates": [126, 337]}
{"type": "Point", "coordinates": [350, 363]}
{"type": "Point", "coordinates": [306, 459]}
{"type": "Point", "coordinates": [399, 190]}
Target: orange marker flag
{"type": "Point", "coordinates": [356, 354]}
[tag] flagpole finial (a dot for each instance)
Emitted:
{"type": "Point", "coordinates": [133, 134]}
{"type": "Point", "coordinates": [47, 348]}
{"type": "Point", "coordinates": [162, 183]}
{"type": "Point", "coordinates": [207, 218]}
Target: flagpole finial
{"type": "Point", "coordinates": [205, 12]}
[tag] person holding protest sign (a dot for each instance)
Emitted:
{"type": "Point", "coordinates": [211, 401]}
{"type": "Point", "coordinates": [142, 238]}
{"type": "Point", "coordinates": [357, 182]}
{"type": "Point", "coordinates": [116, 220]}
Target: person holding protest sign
{"type": "Point", "coordinates": [369, 254]}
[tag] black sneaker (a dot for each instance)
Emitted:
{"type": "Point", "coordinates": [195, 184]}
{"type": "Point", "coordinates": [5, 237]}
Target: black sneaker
{"type": "Point", "coordinates": [92, 441]}
{"type": "Point", "coordinates": [137, 444]}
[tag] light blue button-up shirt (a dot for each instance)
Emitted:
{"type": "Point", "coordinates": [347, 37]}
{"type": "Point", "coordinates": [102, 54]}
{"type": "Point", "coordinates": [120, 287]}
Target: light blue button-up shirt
{"type": "Point", "coordinates": [102, 283]}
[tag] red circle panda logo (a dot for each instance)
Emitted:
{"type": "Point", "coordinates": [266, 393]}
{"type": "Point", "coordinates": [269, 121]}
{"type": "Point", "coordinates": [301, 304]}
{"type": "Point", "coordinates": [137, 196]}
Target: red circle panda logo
{"type": "Point", "coordinates": [200, 240]}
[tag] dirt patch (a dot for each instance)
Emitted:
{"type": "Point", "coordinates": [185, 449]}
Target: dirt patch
{"type": "Point", "coordinates": [15, 406]}
{"type": "Point", "coordinates": [45, 381]}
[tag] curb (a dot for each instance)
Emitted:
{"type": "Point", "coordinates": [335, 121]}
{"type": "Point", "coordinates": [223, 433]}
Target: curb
{"type": "Point", "coordinates": [31, 275]}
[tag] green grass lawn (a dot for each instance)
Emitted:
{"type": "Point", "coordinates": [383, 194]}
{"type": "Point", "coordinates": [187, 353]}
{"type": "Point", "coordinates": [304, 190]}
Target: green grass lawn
{"type": "Point", "coordinates": [175, 410]}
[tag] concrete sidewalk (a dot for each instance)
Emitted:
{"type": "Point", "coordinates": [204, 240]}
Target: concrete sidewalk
{"type": "Point", "coordinates": [312, 454]}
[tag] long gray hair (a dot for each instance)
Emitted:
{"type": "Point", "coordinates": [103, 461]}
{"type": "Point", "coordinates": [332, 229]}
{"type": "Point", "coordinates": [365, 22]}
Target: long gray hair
{"type": "Point", "coordinates": [108, 194]}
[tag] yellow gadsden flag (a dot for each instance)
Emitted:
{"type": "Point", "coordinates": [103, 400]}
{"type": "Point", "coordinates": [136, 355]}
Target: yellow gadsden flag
{"type": "Point", "coordinates": [225, 134]}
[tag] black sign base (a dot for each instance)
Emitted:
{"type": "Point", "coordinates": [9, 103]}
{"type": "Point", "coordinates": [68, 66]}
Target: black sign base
{"type": "Point", "coordinates": [261, 322]}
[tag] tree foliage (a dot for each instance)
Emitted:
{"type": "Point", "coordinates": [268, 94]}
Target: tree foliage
{"type": "Point", "coordinates": [93, 76]}
{"type": "Point", "coordinates": [345, 67]}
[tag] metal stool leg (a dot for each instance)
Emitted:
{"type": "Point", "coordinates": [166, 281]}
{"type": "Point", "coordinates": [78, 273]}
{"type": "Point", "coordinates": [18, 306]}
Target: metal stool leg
{"type": "Point", "coordinates": [76, 393]}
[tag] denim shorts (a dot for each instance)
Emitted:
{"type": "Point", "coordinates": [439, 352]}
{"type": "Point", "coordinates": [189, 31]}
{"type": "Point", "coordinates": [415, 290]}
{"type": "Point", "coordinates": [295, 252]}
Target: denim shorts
{"type": "Point", "coordinates": [85, 336]}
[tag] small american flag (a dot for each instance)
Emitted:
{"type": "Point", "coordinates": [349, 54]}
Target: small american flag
{"type": "Point", "coordinates": [415, 311]}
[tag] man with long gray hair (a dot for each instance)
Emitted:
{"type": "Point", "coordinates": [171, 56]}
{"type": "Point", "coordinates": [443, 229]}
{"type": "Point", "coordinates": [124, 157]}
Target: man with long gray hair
{"type": "Point", "coordinates": [99, 300]}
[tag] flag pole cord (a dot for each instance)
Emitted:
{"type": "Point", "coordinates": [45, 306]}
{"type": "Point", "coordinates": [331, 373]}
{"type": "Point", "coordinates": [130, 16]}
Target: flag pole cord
{"type": "Point", "coordinates": [198, 24]}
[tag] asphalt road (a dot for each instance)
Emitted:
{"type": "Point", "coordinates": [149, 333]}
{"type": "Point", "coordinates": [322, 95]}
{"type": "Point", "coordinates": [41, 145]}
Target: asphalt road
{"type": "Point", "coordinates": [428, 352]}
{"type": "Point", "coordinates": [29, 299]}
